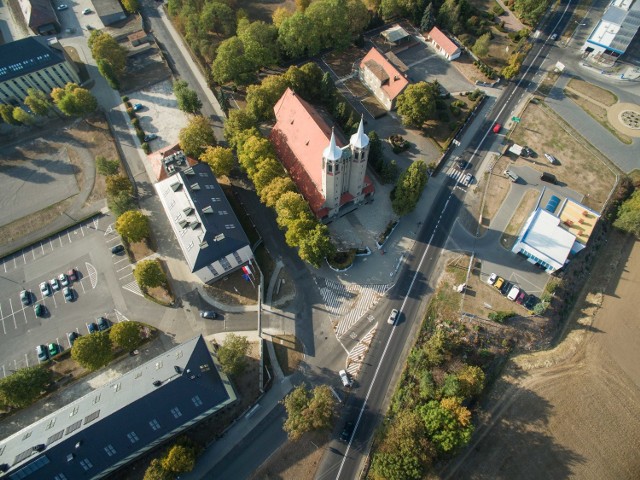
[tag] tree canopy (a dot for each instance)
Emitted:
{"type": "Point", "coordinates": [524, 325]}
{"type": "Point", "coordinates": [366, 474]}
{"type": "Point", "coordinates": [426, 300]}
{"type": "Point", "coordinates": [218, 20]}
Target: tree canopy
{"type": "Point", "coordinates": [270, 194]}
{"type": "Point", "coordinates": [409, 188]}
{"type": "Point", "coordinates": [220, 159]}
{"type": "Point", "coordinates": [92, 351]}
{"type": "Point", "coordinates": [231, 63]}
{"type": "Point", "coordinates": [179, 459]}
{"type": "Point", "coordinates": [149, 274]}
{"type": "Point", "coordinates": [316, 246]}
{"type": "Point", "coordinates": [232, 354]}
{"type": "Point", "coordinates": [24, 386]}
{"type": "Point", "coordinates": [308, 410]}
{"type": "Point", "coordinates": [73, 100]}
{"type": "Point", "coordinates": [188, 100]}
{"type": "Point", "coordinates": [21, 115]}
{"type": "Point", "coordinates": [448, 424]}
{"type": "Point", "coordinates": [38, 101]}
{"type": "Point", "coordinates": [529, 11]}
{"type": "Point", "coordinates": [126, 335]}
{"type": "Point", "coordinates": [109, 55]}
{"type": "Point", "coordinates": [629, 215]}
{"type": "Point", "coordinates": [417, 103]}
{"type": "Point", "coordinates": [196, 137]}
{"type": "Point", "coordinates": [259, 40]}
{"type": "Point", "coordinates": [120, 202]}
{"type": "Point", "coordinates": [106, 166]}
{"type": "Point", "coordinates": [118, 183]}
{"type": "Point", "coordinates": [133, 226]}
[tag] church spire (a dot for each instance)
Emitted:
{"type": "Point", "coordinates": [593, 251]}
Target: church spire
{"type": "Point", "coordinates": [360, 139]}
{"type": "Point", "coordinates": [332, 152]}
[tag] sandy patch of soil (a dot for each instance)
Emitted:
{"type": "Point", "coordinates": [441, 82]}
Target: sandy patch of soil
{"type": "Point", "coordinates": [464, 64]}
{"type": "Point", "coordinates": [510, 234]}
{"type": "Point", "coordinates": [595, 93]}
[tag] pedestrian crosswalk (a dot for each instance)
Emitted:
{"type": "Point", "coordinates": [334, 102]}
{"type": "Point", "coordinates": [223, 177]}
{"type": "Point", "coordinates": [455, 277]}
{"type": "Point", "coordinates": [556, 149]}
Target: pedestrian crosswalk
{"type": "Point", "coordinates": [358, 353]}
{"type": "Point", "coordinates": [464, 178]}
{"type": "Point", "coordinates": [348, 303]}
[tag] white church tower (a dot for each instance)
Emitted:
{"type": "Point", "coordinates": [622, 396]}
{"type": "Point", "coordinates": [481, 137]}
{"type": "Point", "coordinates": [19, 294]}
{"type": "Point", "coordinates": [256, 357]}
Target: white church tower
{"type": "Point", "coordinates": [359, 145]}
{"type": "Point", "coordinates": [332, 174]}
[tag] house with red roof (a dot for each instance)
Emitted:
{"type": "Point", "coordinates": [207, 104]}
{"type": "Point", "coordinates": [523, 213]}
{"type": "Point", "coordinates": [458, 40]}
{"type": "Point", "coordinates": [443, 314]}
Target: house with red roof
{"type": "Point", "coordinates": [443, 44]}
{"type": "Point", "coordinates": [330, 174]}
{"type": "Point", "coordinates": [380, 76]}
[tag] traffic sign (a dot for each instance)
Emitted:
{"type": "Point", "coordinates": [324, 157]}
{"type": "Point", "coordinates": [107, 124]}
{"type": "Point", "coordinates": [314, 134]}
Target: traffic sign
{"type": "Point", "coordinates": [516, 119]}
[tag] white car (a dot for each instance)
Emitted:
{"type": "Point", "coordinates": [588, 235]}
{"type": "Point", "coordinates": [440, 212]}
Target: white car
{"type": "Point", "coordinates": [86, 11]}
{"type": "Point", "coordinates": [392, 318]}
{"type": "Point", "coordinates": [61, 7]}
{"type": "Point", "coordinates": [63, 279]}
{"type": "Point", "coordinates": [513, 293]}
{"type": "Point", "coordinates": [492, 278]}
{"type": "Point", "coordinates": [45, 289]}
{"type": "Point", "coordinates": [346, 381]}
{"type": "Point", "coordinates": [55, 286]}
{"type": "Point", "coordinates": [552, 160]}
{"type": "Point", "coordinates": [554, 36]}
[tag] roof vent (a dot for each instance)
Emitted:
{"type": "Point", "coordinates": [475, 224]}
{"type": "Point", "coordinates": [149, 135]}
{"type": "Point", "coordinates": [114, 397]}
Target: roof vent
{"type": "Point", "coordinates": [195, 186]}
{"type": "Point", "coordinates": [79, 444]}
{"type": "Point", "coordinates": [203, 245]}
{"type": "Point", "coordinates": [188, 210]}
{"type": "Point", "coordinates": [195, 225]}
{"type": "Point", "coordinates": [38, 448]}
{"type": "Point", "coordinates": [207, 209]}
{"type": "Point", "coordinates": [183, 223]}
{"type": "Point", "coordinates": [177, 369]}
{"type": "Point", "coordinates": [189, 171]}
{"type": "Point", "coordinates": [157, 383]}
{"type": "Point", "coordinates": [176, 186]}
{"type": "Point", "coordinates": [70, 457]}
{"type": "Point", "coordinates": [218, 237]}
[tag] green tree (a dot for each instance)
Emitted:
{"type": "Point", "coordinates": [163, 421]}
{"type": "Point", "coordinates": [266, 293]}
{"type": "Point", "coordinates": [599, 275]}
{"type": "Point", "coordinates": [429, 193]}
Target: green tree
{"type": "Point", "coordinates": [239, 121]}
{"type": "Point", "coordinates": [149, 274]}
{"type": "Point", "coordinates": [308, 410]}
{"type": "Point", "coordinates": [481, 47]}
{"type": "Point", "coordinates": [155, 471]}
{"type": "Point", "coordinates": [404, 452]}
{"type": "Point", "coordinates": [23, 117]}
{"type": "Point", "coordinates": [220, 159]}
{"type": "Point", "coordinates": [330, 24]}
{"type": "Point", "coordinates": [217, 17]}
{"type": "Point", "coordinates": [233, 354]}
{"type": "Point", "coordinates": [106, 166]}
{"type": "Point", "coordinates": [529, 11]}
{"type": "Point", "coordinates": [262, 98]}
{"type": "Point", "coordinates": [104, 47]}
{"type": "Point", "coordinates": [409, 188]}
{"type": "Point", "coordinates": [280, 15]}
{"type": "Point", "coordinates": [38, 102]}
{"type": "Point", "coordinates": [428, 18]}
{"type": "Point", "coordinates": [417, 103]}
{"type": "Point", "coordinates": [118, 183]}
{"type": "Point", "coordinates": [24, 386]}
{"type": "Point", "coordinates": [107, 71]}
{"type": "Point", "coordinates": [126, 335]}
{"type": "Point", "coordinates": [92, 351]}
{"type": "Point", "coordinates": [291, 206]}
{"type": "Point", "coordinates": [306, 81]}
{"type": "Point", "coordinates": [133, 226]}
{"type": "Point", "coordinates": [444, 426]}
{"type": "Point", "coordinates": [73, 100]}
{"type": "Point", "coordinates": [276, 188]}
{"type": "Point", "coordinates": [513, 67]}
{"type": "Point", "coordinates": [471, 380]}
{"type": "Point", "coordinates": [6, 112]}
{"type": "Point", "coordinates": [188, 100]}
{"type": "Point", "coordinates": [179, 459]}
{"type": "Point", "coordinates": [254, 150]}
{"type": "Point", "coordinates": [267, 171]}
{"type": "Point", "coordinates": [231, 63]}
{"type": "Point", "coordinates": [296, 36]}
{"type": "Point", "coordinates": [359, 17]}
{"type": "Point", "coordinates": [298, 229]}
{"type": "Point", "coordinates": [302, 5]}
{"type": "Point", "coordinates": [628, 219]}
{"type": "Point", "coordinates": [196, 137]}
{"type": "Point", "coordinates": [131, 6]}
{"type": "Point", "coordinates": [259, 40]}
{"type": "Point", "coordinates": [449, 15]}
{"type": "Point", "coordinates": [120, 202]}
{"type": "Point", "coordinates": [450, 386]}
{"type": "Point", "coordinates": [316, 246]}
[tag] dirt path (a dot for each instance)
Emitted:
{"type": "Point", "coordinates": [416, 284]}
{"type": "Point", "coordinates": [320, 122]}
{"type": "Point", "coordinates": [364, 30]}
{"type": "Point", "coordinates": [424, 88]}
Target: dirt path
{"type": "Point", "coordinates": [573, 411]}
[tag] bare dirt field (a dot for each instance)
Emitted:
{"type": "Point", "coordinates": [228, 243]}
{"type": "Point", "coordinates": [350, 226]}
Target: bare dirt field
{"type": "Point", "coordinates": [574, 411]}
{"type": "Point", "coordinates": [263, 10]}
{"type": "Point", "coordinates": [579, 167]}
{"type": "Point", "coordinates": [464, 64]}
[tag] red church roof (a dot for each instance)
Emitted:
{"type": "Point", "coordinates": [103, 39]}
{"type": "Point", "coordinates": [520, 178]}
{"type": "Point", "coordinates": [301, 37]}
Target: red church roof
{"type": "Point", "coordinates": [386, 72]}
{"type": "Point", "coordinates": [441, 39]}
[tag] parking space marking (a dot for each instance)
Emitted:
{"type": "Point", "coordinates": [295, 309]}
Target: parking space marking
{"type": "Point", "coordinates": [124, 268]}
{"type": "Point", "coordinates": [13, 314]}
{"type": "Point", "coordinates": [93, 274]}
{"type": "Point", "coordinates": [133, 287]}
{"type": "Point", "coordinates": [127, 275]}
{"type": "Point", "coordinates": [120, 316]}
{"type": "Point", "coordinates": [2, 317]}
{"type": "Point", "coordinates": [119, 261]}
{"type": "Point", "coordinates": [108, 230]}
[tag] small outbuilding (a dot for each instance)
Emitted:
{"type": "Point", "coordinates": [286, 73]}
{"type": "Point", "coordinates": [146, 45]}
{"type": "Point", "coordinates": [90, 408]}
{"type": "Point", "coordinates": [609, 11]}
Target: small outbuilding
{"type": "Point", "coordinates": [443, 44]}
{"type": "Point", "coordinates": [396, 35]}
{"type": "Point", "coordinates": [109, 11]}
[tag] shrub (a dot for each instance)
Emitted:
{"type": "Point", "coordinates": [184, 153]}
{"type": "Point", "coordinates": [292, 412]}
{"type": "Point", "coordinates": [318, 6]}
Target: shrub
{"type": "Point", "coordinates": [454, 110]}
{"type": "Point", "coordinates": [146, 148]}
{"type": "Point", "coordinates": [441, 104]}
{"type": "Point", "coordinates": [125, 98]}
{"type": "Point", "coordinates": [131, 113]}
{"type": "Point", "coordinates": [500, 316]}
{"type": "Point", "coordinates": [459, 104]}
{"type": "Point", "coordinates": [136, 122]}
{"type": "Point", "coordinates": [497, 10]}
{"type": "Point", "coordinates": [140, 134]}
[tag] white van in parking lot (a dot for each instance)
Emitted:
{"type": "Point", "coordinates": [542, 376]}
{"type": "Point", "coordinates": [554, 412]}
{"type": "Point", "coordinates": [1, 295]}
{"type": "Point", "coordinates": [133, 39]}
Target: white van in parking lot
{"type": "Point", "coordinates": [512, 176]}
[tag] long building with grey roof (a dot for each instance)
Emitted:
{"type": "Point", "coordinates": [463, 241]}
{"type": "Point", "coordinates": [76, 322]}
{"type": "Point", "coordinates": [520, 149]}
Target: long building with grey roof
{"type": "Point", "coordinates": [113, 425]}
{"type": "Point", "coordinates": [614, 32]}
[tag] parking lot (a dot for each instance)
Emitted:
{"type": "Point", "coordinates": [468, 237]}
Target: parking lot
{"type": "Point", "coordinates": [104, 282]}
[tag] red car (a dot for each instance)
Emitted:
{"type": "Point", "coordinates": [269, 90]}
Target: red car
{"type": "Point", "coordinates": [520, 298]}
{"type": "Point", "coordinates": [496, 128]}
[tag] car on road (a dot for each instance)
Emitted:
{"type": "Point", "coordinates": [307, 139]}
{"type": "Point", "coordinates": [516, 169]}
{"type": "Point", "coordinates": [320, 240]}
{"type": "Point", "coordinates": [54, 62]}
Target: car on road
{"type": "Point", "coordinates": [53, 349]}
{"type": "Point", "coordinates": [468, 178]}
{"type": "Point", "coordinates": [25, 297]}
{"type": "Point", "coordinates": [492, 278]}
{"type": "Point", "coordinates": [137, 106]}
{"type": "Point", "coordinates": [521, 297]}
{"type": "Point", "coordinates": [513, 293]}
{"type": "Point", "coordinates": [55, 286]}
{"type": "Point", "coordinates": [71, 336]}
{"type": "Point", "coordinates": [63, 278]}
{"type": "Point", "coordinates": [103, 324]}
{"type": "Point", "coordinates": [68, 294]}
{"type": "Point", "coordinates": [346, 433]}
{"type": "Point", "coordinates": [117, 249]}
{"type": "Point", "coordinates": [496, 128]}
{"type": "Point", "coordinates": [38, 309]}
{"type": "Point", "coordinates": [208, 314]}
{"type": "Point", "coordinates": [72, 274]}
{"type": "Point", "coordinates": [554, 36]}
{"type": "Point", "coordinates": [61, 7]}
{"type": "Point", "coordinates": [344, 377]}
{"type": "Point", "coordinates": [45, 289]}
{"type": "Point", "coordinates": [393, 317]}
{"type": "Point", "coordinates": [498, 283]}
{"type": "Point", "coordinates": [42, 353]}
{"type": "Point", "coordinates": [151, 136]}
{"type": "Point", "coordinates": [552, 160]}
{"type": "Point", "coordinates": [91, 327]}
{"type": "Point", "coordinates": [462, 164]}
{"type": "Point", "coordinates": [86, 11]}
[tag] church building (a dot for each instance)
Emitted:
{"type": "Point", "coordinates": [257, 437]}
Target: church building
{"type": "Point", "coordinates": [330, 174]}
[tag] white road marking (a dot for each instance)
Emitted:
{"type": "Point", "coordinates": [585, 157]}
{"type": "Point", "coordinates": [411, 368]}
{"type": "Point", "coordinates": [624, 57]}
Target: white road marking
{"type": "Point", "coordinates": [133, 287]}
{"type": "Point", "coordinates": [124, 268]}
{"type": "Point", "coordinates": [2, 317]}
{"type": "Point", "coordinates": [13, 314]}
{"type": "Point", "coordinates": [93, 274]}
{"type": "Point", "coordinates": [127, 275]}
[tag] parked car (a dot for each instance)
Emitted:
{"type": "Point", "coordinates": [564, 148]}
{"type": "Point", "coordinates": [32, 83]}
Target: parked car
{"type": "Point", "coordinates": [86, 11]}
{"type": "Point", "coordinates": [526, 152]}
{"type": "Point", "coordinates": [55, 286]}
{"type": "Point", "coordinates": [68, 294]}
{"type": "Point", "coordinates": [506, 288]}
{"type": "Point", "coordinates": [552, 160]}
{"type": "Point", "coordinates": [392, 317]}
{"type": "Point", "coordinates": [117, 249]}
{"type": "Point", "coordinates": [513, 293]}
{"type": "Point", "coordinates": [53, 349]}
{"type": "Point", "coordinates": [63, 279]}
{"type": "Point", "coordinates": [346, 381]}
{"type": "Point", "coordinates": [91, 327]}
{"type": "Point", "coordinates": [496, 128]}
{"type": "Point", "coordinates": [103, 324]}
{"type": "Point", "coordinates": [38, 309]}
{"type": "Point", "coordinates": [61, 7]}
{"type": "Point", "coordinates": [89, 27]}
{"type": "Point", "coordinates": [530, 302]}
{"type": "Point", "coordinates": [45, 289]}
{"type": "Point", "coordinates": [520, 298]}
{"type": "Point", "coordinates": [512, 176]}
{"type": "Point", "coordinates": [73, 276]}
{"type": "Point", "coordinates": [492, 278]}
{"type": "Point", "coordinates": [548, 177]}
{"type": "Point", "coordinates": [42, 353]}
{"type": "Point", "coordinates": [71, 336]}
{"type": "Point", "coordinates": [151, 136]}
{"type": "Point", "coordinates": [346, 433]}
{"type": "Point", "coordinates": [137, 106]}
{"type": "Point", "coordinates": [25, 297]}
{"type": "Point", "coordinates": [208, 314]}
{"type": "Point", "coordinates": [498, 283]}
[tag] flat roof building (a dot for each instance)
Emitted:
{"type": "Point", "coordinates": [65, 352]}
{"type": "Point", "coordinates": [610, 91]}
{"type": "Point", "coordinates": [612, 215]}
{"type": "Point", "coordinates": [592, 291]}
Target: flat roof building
{"type": "Point", "coordinates": [614, 31]}
{"type": "Point", "coordinates": [114, 424]}
{"type": "Point", "coordinates": [209, 233]}
{"type": "Point", "coordinates": [109, 11]}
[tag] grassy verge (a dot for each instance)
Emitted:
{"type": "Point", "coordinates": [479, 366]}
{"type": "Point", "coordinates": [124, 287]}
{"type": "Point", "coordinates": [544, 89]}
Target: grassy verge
{"type": "Point", "coordinates": [289, 352]}
{"type": "Point", "coordinates": [509, 236]}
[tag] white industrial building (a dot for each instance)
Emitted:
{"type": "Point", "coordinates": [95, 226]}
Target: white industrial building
{"type": "Point", "coordinates": [614, 32]}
